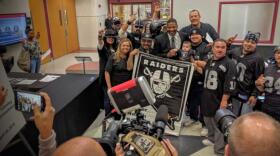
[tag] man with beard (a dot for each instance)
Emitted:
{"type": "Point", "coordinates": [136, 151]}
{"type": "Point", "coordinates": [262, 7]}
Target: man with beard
{"type": "Point", "coordinates": [167, 44]}
{"type": "Point", "coordinates": [146, 43]}
{"type": "Point", "coordinates": [146, 47]}
{"type": "Point", "coordinates": [194, 17]}
{"type": "Point", "coordinates": [249, 67]}
{"type": "Point", "coordinates": [134, 36]}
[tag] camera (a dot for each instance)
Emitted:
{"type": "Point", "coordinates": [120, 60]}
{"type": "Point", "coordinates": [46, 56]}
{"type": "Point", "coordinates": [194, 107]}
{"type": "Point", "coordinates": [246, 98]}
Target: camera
{"type": "Point", "coordinates": [137, 136]}
{"type": "Point", "coordinates": [224, 118]}
{"type": "Point", "coordinates": [25, 101]}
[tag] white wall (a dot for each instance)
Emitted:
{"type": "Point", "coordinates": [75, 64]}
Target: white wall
{"type": "Point", "coordinates": [209, 10]}
{"type": "Point", "coordinates": [90, 19]}
{"type": "Point", "coordinates": [14, 6]}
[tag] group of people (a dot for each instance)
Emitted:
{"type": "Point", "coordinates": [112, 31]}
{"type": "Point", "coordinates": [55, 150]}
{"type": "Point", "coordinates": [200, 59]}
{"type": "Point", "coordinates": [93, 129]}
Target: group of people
{"type": "Point", "coordinates": [222, 75]}
{"type": "Point", "coordinates": [253, 134]}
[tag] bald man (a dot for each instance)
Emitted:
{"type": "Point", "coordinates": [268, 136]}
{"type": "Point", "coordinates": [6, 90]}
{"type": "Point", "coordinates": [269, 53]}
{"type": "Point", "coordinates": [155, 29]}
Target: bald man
{"type": "Point", "coordinates": [254, 134]}
{"type": "Point", "coordinates": [80, 146]}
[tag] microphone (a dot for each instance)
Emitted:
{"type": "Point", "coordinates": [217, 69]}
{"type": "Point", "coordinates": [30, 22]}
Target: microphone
{"type": "Point", "coordinates": [161, 120]}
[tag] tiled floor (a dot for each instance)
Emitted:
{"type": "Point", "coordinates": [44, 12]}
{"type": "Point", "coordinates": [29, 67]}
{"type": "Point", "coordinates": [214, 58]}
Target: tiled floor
{"type": "Point", "coordinates": [59, 65]}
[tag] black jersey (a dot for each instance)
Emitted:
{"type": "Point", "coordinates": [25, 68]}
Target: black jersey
{"type": "Point", "coordinates": [272, 87]}
{"type": "Point", "coordinates": [219, 80]}
{"type": "Point", "coordinates": [200, 52]}
{"type": "Point", "coordinates": [249, 68]}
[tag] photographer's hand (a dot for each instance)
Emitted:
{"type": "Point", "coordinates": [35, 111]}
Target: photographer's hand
{"type": "Point", "coordinates": [119, 150]}
{"type": "Point", "coordinates": [169, 148]}
{"type": "Point", "coordinates": [44, 120]}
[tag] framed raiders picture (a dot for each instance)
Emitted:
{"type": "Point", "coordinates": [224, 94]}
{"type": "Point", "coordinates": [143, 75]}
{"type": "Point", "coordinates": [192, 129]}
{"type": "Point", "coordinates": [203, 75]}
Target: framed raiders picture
{"type": "Point", "coordinates": [170, 81]}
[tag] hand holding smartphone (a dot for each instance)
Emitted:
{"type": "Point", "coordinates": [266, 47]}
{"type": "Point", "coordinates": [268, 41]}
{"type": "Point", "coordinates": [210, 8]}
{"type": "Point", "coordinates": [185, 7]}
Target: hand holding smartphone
{"type": "Point", "coordinates": [26, 101]}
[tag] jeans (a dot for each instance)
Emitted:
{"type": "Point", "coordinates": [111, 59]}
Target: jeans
{"type": "Point", "coordinates": [194, 102]}
{"type": "Point", "coordinates": [35, 63]}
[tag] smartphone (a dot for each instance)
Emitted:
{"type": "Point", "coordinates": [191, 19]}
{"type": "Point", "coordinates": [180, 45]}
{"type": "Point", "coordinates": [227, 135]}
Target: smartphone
{"type": "Point", "coordinates": [25, 101]}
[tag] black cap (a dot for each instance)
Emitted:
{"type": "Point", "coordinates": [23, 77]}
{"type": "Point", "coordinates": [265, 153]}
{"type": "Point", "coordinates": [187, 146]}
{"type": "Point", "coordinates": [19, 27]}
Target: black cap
{"type": "Point", "coordinates": [276, 49]}
{"type": "Point", "coordinates": [139, 23]}
{"type": "Point", "coordinates": [195, 31]}
{"type": "Point", "coordinates": [155, 27]}
{"type": "Point", "coordinates": [146, 36]}
{"type": "Point", "coordinates": [116, 21]}
{"type": "Point", "coordinates": [111, 33]}
{"type": "Point", "coordinates": [253, 36]}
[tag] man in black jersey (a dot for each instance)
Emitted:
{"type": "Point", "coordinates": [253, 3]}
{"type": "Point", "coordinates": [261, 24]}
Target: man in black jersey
{"type": "Point", "coordinates": [201, 52]}
{"type": "Point", "coordinates": [249, 67]}
{"type": "Point", "coordinates": [269, 83]}
{"type": "Point", "coordinates": [219, 83]}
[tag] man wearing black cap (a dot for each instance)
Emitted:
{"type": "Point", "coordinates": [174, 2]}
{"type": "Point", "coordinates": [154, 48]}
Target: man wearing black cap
{"type": "Point", "coordinates": [116, 24]}
{"type": "Point", "coordinates": [146, 43]}
{"type": "Point", "coordinates": [202, 52]}
{"type": "Point", "coordinates": [167, 44]}
{"type": "Point", "coordinates": [146, 47]}
{"type": "Point", "coordinates": [249, 67]}
{"type": "Point", "coordinates": [135, 35]}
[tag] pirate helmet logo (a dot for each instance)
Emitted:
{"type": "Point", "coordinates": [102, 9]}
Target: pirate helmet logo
{"type": "Point", "coordinates": [160, 82]}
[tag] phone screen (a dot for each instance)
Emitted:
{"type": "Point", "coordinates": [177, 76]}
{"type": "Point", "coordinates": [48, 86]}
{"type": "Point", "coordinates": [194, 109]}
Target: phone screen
{"type": "Point", "coordinates": [25, 101]}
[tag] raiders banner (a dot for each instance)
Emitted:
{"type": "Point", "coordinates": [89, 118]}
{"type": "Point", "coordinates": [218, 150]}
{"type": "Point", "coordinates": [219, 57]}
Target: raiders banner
{"type": "Point", "coordinates": [170, 81]}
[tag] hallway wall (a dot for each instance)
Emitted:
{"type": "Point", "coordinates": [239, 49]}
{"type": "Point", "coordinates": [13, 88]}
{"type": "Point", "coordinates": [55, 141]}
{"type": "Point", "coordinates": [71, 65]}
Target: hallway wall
{"type": "Point", "coordinates": [90, 19]}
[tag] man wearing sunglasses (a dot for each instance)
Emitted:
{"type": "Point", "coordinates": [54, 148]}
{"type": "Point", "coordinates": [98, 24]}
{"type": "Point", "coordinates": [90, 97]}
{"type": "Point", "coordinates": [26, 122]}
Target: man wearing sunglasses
{"type": "Point", "coordinates": [137, 29]}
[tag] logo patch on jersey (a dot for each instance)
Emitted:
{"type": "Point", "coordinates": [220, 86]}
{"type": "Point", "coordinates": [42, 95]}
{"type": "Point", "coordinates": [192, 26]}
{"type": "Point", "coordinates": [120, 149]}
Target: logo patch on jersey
{"type": "Point", "coordinates": [223, 68]}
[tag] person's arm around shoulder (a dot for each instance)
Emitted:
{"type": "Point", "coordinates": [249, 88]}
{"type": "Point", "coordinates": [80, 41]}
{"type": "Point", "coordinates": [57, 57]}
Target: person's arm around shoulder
{"type": "Point", "coordinates": [44, 123]}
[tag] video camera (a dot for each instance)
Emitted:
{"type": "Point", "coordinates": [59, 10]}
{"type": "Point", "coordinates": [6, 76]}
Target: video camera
{"type": "Point", "coordinates": [137, 136]}
{"type": "Point", "coordinates": [224, 118]}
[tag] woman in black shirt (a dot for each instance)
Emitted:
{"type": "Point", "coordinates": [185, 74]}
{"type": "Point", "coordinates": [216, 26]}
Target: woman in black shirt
{"type": "Point", "coordinates": [116, 68]}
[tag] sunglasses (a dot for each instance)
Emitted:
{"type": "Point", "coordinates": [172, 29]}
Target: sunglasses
{"type": "Point", "coordinates": [138, 27]}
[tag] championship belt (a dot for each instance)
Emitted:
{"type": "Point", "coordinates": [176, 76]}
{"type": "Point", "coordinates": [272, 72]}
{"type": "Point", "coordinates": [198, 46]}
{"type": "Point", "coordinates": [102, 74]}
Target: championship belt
{"type": "Point", "coordinates": [145, 145]}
